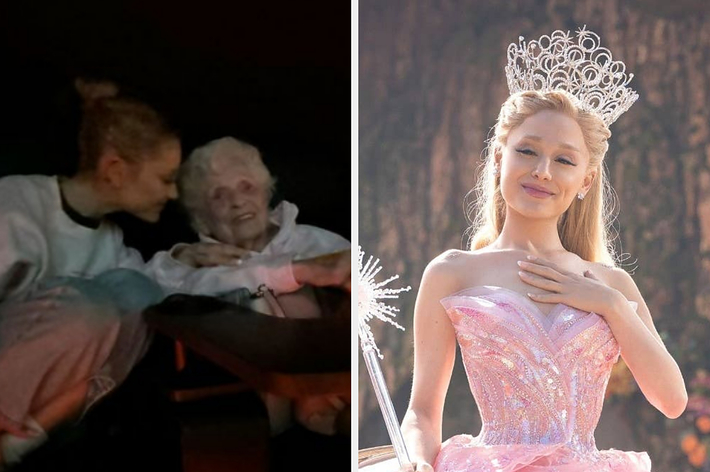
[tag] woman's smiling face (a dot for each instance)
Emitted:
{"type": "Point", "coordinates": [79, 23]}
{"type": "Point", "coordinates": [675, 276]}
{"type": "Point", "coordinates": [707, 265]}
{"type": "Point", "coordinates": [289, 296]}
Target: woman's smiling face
{"type": "Point", "coordinates": [237, 208]}
{"type": "Point", "coordinates": [544, 165]}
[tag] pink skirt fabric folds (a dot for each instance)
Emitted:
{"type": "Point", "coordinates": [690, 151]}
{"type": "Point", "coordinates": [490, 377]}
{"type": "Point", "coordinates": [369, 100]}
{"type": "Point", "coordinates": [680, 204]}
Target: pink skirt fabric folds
{"type": "Point", "coordinates": [462, 453]}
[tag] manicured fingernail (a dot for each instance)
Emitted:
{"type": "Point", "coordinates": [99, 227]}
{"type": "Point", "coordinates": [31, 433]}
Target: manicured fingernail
{"type": "Point", "coordinates": [520, 272]}
{"type": "Point", "coordinates": [531, 295]}
{"type": "Point", "coordinates": [531, 258]}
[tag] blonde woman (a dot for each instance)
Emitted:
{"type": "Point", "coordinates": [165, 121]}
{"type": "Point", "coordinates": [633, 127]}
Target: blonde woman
{"type": "Point", "coordinates": [537, 306]}
{"type": "Point", "coordinates": [64, 341]}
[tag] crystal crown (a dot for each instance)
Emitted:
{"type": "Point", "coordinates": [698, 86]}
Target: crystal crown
{"type": "Point", "coordinates": [580, 67]}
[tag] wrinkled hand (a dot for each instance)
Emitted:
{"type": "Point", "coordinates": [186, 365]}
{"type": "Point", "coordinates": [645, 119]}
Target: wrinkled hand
{"type": "Point", "coordinates": [210, 254]}
{"type": "Point", "coordinates": [584, 292]}
{"type": "Point", "coordinates": [323, 271]}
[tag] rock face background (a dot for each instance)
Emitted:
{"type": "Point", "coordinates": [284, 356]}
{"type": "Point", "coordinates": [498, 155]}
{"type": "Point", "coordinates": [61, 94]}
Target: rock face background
{"type": "Point", "coordinates": [431, 82]}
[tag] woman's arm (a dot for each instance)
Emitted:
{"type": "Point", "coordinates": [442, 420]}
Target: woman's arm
{"type": "Point", "coordinates": [434, 354]}
{"type": "Point", "coordinates": [310, 256]}
{"type": "Point", "coordinates": [655, 371]}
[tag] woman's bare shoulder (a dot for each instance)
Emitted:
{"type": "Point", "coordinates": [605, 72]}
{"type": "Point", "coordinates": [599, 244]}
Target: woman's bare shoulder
{"type": "Point", "coordinates": [617, 278]}
{"type": "Point", "coordinates": [445, 264]}
{"type": "Point", "coordinates": [452, 269]}
{"type": "Point", "coordinates": [456, 259]}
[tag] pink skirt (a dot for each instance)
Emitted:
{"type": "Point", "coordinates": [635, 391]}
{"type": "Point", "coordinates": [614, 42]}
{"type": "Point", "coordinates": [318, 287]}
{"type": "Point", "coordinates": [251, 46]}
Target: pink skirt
{"type": "Point", "coordinates": [462, 454]}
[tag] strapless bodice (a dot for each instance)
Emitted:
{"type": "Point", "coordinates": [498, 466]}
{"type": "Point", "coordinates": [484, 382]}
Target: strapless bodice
{"type": "Point", "coordinates": [538, 380]}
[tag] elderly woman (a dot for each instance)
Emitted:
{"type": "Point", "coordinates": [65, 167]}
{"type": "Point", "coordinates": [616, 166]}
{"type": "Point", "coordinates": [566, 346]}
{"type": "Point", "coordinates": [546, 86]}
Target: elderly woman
{"type": "Point", "coordinates": [226, 188]}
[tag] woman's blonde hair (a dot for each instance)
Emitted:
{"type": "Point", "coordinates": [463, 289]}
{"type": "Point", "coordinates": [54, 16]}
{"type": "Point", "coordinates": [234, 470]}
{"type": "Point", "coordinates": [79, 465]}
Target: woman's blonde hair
{"type": "Point", "coordinates": [133, 129]}
{"type": "Point", "coordinates": [585, 227]}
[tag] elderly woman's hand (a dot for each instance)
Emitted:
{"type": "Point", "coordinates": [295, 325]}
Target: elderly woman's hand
{"type": "Point", "coordinates": [209, 254]}
{"type": "Point", "coordinates": [327, 270]}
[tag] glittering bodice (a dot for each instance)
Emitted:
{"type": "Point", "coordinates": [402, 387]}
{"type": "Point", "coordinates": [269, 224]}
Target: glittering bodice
{"type": "Point", "coordinates": [537, 379]}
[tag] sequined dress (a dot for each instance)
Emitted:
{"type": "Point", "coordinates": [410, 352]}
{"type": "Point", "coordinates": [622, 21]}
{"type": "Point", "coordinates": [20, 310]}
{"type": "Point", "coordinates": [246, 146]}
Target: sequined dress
{"type": "Point", "coordinates": [539, 382]}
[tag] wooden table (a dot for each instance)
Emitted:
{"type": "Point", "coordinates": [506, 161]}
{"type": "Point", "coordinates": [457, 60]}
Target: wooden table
{"type": "Point", "coordinates": [288, 357]}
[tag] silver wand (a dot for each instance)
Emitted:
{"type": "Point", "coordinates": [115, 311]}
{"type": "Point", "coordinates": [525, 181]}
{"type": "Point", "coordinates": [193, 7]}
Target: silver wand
{"type": "Point", "coordinates": [369, 306]}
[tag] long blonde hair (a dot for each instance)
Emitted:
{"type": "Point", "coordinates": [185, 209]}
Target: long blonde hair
{"type": "Point", "coordinates": [585, 227]}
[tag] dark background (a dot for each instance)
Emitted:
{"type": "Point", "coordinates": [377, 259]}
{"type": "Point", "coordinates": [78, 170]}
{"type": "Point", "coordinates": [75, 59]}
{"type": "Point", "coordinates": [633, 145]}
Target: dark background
{"type": "Point", "coordinates": [275, 74]}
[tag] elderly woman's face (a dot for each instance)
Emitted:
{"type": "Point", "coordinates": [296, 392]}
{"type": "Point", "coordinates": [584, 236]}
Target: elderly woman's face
{"type": "Point", "coordinates": [237, 209]}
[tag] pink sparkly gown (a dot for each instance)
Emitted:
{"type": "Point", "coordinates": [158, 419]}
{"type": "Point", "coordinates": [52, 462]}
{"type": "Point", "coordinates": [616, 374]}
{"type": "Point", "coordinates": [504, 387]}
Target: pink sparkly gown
{"type": "Point", "coordinates": [539, 382]}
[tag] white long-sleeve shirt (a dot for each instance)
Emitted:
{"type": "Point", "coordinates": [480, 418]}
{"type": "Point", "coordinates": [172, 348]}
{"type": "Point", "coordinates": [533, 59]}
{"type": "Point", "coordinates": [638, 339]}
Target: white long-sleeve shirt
{"type": "Point", "coordinates": [271, 266]}
{"type": "Point", "coordinates": [39, 240]}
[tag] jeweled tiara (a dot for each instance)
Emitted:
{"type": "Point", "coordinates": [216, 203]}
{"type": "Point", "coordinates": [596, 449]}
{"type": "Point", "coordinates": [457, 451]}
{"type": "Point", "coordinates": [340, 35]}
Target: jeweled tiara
{"type": "Point", "coordinates": [580, 67]}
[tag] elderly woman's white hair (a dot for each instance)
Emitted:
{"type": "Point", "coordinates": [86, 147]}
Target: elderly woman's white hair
{"type": "Point", "coordinates": [211, 159]}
